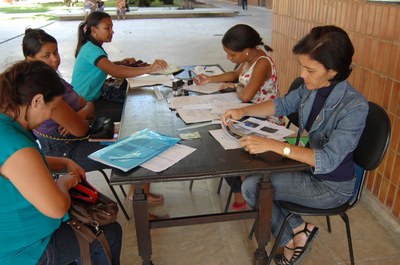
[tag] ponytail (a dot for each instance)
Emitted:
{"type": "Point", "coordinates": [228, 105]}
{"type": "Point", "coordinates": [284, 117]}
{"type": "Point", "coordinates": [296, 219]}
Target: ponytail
{"type": "Point", "coordinates": [85, 28]}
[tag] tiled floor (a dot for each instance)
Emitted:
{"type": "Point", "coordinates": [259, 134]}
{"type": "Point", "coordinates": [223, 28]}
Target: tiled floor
{"type": "Point", "coordinates": [227, 244]}
{"type": "Point", "coordinates": [198, 41]}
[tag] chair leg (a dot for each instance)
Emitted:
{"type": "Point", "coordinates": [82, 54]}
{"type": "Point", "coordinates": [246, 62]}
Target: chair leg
{"type": "Point", "coordinates": [278, 238]}
{"type": "Point", "coordinates": [253, 228]}
{"type": "Point", "coordinates": [347, 223]}
{"type": "Point", "coordinates": [115, 194]}
{"type": "Point", "coordinates": [220, 185]}
{"type": "Point", "coordinates": [328, 223]}
{"type": "Point", "coordinates": [122, 190]}
{"type": "Point", "coordinates": [228, 200]}
{"type": "Point", "coordinates": [191, 185]}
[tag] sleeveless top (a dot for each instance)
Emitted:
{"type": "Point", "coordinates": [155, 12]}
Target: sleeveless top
{"type": "Point", "coordinates": [268, 90]}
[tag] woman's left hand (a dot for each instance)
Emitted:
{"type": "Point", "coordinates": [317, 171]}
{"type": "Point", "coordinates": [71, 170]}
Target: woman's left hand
{"type": "Point", "coordinates": [73, 167]}
{"type": "Point", "coordinates": [255, 144]}
{"type": "Point", "coordinates": [158, 65]}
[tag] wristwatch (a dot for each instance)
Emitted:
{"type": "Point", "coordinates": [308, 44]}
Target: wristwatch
{"type": "Point", "coordinates": [286, 151]}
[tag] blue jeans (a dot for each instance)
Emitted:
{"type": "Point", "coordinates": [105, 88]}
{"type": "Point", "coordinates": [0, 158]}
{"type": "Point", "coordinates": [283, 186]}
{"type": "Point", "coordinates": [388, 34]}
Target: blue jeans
{"type": "Point", "coordinates": [300, 188]}
{"type": "Point", "coordinates": [78, 151]}
{"type": "Point", "coordinates": [235, 183]}
{"type": "Point", "coordinates": [63, 248]}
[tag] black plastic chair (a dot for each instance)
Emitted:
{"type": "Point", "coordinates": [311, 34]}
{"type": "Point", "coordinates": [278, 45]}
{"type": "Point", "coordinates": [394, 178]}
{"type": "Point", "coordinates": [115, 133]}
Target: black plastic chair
{"type": "Point", "coordinates": [115, 193]}
{"type": "Point", "coordinates": [293, 117]}
{"type": "Point", "coordinates": [367, 156]}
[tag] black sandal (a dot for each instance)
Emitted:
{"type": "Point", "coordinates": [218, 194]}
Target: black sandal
{"type": "Point", "coordinates": [300, 252]}
{"type": "Point", "coordinates": [280, 258]}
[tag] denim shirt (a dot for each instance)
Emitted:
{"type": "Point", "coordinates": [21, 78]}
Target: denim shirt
{"type": "Point", "coordinates": [338, 127]}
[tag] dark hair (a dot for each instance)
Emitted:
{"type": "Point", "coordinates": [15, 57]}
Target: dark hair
{"type": "Point", "coordinates": [84, 29]}
{"type": "Point", "coordinates": [330, 46]}
{"type": "Point", "coordinates": [34, 40]}
{"type": "Point", "coordinates": [242, 36]}
{"type": "Point", "coordinates": [25, 79]}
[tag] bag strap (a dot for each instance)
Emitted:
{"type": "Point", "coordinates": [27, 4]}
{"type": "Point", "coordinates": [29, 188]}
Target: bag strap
{"type": "Point", "coordinates": [61, 139]}
{"type": "Point", "coordinates": [85, 236]}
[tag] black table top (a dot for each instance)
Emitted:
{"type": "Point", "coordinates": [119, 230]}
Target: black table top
{"type": "Point", "coordinates": [143, 110]}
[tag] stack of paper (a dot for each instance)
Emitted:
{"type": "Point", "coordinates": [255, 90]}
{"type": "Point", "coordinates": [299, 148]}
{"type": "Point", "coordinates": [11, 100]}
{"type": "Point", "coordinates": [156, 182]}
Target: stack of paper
{"type": "Point", "coordinates": [194, 109]}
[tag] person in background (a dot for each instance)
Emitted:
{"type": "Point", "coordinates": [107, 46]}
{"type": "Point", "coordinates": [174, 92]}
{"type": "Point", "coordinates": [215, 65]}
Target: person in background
{"type": "Point", "coordinates": [100, 5]}
{"type": "Point", "coordinates": [257, 76]}
{"type": "Point", "coordinates": [88, 7]}
{"type": "Point", "coordinates": [34, 206]}
{"type": "Point", "coordinates": [92, 67]}
{"type": "Point", "coordinates": [244, 5]}
{"type": "Point", "coordinates": [92, 64]}
{"type": "Point", "coordinates": [334, 114]}
{"type": "Point", "coordinates": [65, 133]}
{"type": "Point", "coordinates": [121, 8]}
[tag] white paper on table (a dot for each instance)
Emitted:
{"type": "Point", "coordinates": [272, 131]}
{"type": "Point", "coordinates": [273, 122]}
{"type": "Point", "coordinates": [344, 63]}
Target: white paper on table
{"type": "Point", "coordinates": [168, 158]}
{"type": "Point", "coordinates": [196, 115]}
{"type": "Point", "coordinates": [205, 89]}
{"type": "Point", "coordinates": [198, 106]}
{"type": "Point", "coordinates": [148, 80]}
{"type": "Point", "coordinates": [219, 106]}
{"type": "Point", "coordinates": [208, 70]}
{"type": "Point", "coordinates": [227, 142]}
{"type": "Point", "coordinates": [180, 102]}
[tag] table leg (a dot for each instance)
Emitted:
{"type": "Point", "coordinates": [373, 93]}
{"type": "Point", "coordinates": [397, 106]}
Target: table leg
{"type": "Point", "coordinates": [263, 220]}
{"type": "Point", "coordinates": [141, 214]}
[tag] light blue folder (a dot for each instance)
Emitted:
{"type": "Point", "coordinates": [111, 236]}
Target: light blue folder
{"type": "Point", "coordinates": [134, 150]}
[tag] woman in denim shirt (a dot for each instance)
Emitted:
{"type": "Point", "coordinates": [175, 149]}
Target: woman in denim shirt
{"type": "Point", "coordinates": [333, 113]}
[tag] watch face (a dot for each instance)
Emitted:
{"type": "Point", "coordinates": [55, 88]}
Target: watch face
{"type": "Point", "coordinates": [286, 151]}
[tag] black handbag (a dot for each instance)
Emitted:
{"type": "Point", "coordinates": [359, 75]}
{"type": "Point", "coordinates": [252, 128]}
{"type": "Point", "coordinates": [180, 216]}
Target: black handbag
{"type": "Point", "coordinates": [114, 89]}
{"type": "Point", "coordinates": [90, 210]}
{"type": "Point", "coordinates": [101, 128]}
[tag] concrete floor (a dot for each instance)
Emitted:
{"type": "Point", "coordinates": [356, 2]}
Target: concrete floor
{"type": "Point", "coordinates": [188, 41]}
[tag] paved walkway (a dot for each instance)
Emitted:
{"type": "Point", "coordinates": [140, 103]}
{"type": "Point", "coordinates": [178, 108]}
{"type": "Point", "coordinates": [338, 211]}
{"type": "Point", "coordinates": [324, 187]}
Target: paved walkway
{"type": "Point", "coordinates": [180, 41]}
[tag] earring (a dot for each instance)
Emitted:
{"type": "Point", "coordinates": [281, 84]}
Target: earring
{"type": "Point", "coordinates": [247, 54]}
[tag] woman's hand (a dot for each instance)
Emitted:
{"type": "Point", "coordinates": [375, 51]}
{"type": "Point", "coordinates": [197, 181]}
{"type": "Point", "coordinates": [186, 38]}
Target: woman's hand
{"type": "Point", "coordinates": [69, 180]}
{"type": "Point", "coordinates": [232, 114]}
{"type": "Point", "coordinates": [158, 65]}
{"type": "Point", "coordinates": [75, 169]}
{"type": "Point", "coordinates": [201, 79]}
{"type": "Point", "coordinates": [256, 145]}
{"type": "Point", "coordinates": [64, 132]}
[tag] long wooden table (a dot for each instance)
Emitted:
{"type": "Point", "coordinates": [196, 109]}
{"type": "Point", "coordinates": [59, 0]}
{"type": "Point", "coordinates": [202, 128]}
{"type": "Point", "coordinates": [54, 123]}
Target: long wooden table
{"type": "Point", "coordinates": [143, 110]}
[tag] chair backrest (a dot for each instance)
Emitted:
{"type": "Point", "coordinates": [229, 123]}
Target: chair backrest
{"type": "Point", "coordinates": [371, 148]}
{"type": "Point", "coordinates": [293, 117]}
{"type": "Point", "coordinates": [374, 140]}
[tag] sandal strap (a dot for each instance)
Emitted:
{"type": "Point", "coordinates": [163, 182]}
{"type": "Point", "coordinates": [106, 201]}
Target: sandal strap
{"type": "Point", "coordinates": [282, 260]}
{"type": "Point", "coordinates": [297, 252]}
{"type": "Point", "coordinates": [289, 248]}
{"type": "Point", "coordinates": [305, 231]}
